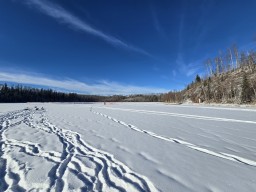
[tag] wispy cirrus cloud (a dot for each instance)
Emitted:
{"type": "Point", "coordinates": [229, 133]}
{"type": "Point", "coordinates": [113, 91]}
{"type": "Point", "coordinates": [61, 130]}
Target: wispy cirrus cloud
{"type": "Point", "coordinates": [101, 88]}
{"type": "Point", "coordinates": [189, 69]}
{"type": "Point", "coordinates": [63, 16]}
{"type": "Point", "coordinates": [156, 22]}
{"type": "Point", "coordinates": [181, 31]}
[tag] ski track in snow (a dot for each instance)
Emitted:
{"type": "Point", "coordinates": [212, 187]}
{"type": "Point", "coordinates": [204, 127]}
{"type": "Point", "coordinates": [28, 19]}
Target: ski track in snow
{"type": "Point", "coordinates": [97, 170]}
{"type": "Point", "coordinates": [200, 117]}
{"type": "Point", "coordinates": [178, 141]}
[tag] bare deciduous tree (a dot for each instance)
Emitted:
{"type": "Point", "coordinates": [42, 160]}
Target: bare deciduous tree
{"type": "Point", "coordinates": [236, 52]}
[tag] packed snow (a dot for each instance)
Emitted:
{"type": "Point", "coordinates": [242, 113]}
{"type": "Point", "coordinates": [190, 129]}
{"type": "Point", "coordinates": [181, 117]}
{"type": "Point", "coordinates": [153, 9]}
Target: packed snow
{"type": "Point", "coordinates": [126, 147]}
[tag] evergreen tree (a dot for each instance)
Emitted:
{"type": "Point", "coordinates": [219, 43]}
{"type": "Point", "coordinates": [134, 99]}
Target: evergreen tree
{"type": "Point", "coordinates": [208, 91]}
{"type": "Point", "coordinates": [246, 90]}
{"type": "Point", "coordinates": [198, 79]}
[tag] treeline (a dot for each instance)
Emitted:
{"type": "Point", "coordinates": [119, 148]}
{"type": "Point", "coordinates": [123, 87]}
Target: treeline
{"type": "Point", "coordinates": [19, 94]}
{"type": "Point", "coordinates": [230, 77]}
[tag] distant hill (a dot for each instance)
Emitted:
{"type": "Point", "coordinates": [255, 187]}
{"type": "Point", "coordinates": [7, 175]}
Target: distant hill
{"type": "Point", "coordinates": [231, 78]}
{"type": "Point", "coordinates": [238, 86]}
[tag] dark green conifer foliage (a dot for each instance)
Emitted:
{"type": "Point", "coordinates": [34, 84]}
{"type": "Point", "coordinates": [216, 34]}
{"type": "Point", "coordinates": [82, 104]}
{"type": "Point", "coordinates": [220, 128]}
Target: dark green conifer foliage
{"type": "Point", "coordinates": [246, 90]}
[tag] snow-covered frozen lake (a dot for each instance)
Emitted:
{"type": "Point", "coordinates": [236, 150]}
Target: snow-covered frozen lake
{"type": "Point", "coordinates": [127, 147]}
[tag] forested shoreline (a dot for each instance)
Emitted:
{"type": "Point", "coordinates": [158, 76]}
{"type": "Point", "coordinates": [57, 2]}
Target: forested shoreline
{"type": "Point", "coordinates": [21, 94]}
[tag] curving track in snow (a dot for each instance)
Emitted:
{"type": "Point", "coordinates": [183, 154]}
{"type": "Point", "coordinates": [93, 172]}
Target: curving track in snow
{"type": "Point", "coordinates": [222, 155]}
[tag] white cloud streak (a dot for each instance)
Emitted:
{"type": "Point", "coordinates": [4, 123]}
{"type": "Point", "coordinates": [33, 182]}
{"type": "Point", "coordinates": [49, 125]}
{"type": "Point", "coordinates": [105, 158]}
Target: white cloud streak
{"type": "Point", "coordinates": [63, 16]}
{"type": "Point", "coordinates": [102, 88]}
{"type": "Point", "coordinates": [156, 22]}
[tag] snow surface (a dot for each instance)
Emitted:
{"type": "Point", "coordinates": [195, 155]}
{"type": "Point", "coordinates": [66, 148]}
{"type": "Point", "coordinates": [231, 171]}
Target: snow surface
{"type": "Point", "coordinates": [126, 147]}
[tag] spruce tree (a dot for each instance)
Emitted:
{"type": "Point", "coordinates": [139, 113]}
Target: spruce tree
{"type": "Point", "coordinates": [246, 90]}
{"type": "Point", "coordinates": [198, 79]}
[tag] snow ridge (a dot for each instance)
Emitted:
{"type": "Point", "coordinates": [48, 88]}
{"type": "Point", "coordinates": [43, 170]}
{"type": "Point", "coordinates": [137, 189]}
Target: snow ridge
{"type": "Point", "coordinates": [96, 169]}
{"type": "Point", "coordinates": [184, 143]}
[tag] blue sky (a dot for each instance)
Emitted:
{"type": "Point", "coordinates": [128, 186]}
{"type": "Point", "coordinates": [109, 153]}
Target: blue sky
{"type": "Point", "coordinates": [117, 47]}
